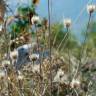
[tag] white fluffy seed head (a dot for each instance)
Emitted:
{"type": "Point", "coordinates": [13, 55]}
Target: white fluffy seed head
{"type": "Point", "coordinates": [91, 8]}
{"type": "Point", "coordinates": [75, 83]}
{"type": "Point", "coordinates": [2, 74]}
{"type": "Point", "coordinates": [14, 55]}
{"type": "Point", "coordinates": [35, 19]}
{"type": "Point", "coordinates": [6, 63]}
{"type": "Point", "coordinates": [20, 77]}
{"type": "Point", "coordinates": [34, 57]}
{"type": "Point", "coordinates": [61, 77]}
{"type": "Point", "coordinates": [17, 39]}
{"type": "Point", "coordinates": [67, 22]}
{"type": "Point", "coordinates": [22, 38]}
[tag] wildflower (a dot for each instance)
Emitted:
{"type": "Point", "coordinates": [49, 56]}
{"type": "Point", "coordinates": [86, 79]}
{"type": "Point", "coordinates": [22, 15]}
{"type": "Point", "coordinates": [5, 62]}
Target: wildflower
{"type": "Point", "coordinates": [22, 38]}
{"type": "Point", "coordinates": [6, 63]}
{"type": "Point", "coordinates": [34, 57]}
{"type": "Point", "coordinates": [67, 23]}
{"type": "Point", "coordinates": [75, 83]}
{"type": "Point", "coordinates": [14, 55]}
{"type": "Point", "coordinates": [61, 77]}
{"type": "Point", "coordinates": [2, 74]}
{"type": "Point", "coordinates": [36, 68]}
{"type": "Point", "coordinates": [91, 8]}
{"type": "Point", "coordinates": [20, 76]}
{"type": "Point", "coordinates": [35, 19]}
{"type": "Point", "coordinates": [12, 42]}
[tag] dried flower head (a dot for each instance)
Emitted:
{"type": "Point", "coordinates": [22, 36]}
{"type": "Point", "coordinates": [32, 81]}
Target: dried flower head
{"type": "Point", "coordinates": [34, 57]}
{"type": "Point", "coordinates": [36, 2]}
{"type": "Point", "coordinates": [14, 55]}
{"type": "Point", "coordinates": [6, 63]}
{"type": "Point", "coordinates": [22, 38]}
{"type": "Point", "coordinates": [61, 77]}
{"type": "Point", "coordinates": [20, 77]}
{"type": "Point", "coordinates": [2, 74]}
{"type": "Point", "coordinates": [35, 19]}
{"type": "Point", "coordinates": [67, 23]}
{"type": "Point", "coordinates": [91, 8]}
{"type": "Point", "coordinates": [75, 83]}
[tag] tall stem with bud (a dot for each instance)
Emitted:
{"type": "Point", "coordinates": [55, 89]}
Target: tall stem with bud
{"type": "Point", "coordinates": [90, 9]}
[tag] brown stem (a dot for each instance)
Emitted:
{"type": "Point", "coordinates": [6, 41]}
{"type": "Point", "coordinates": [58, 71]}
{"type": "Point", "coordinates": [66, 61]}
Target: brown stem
{"type": "Point", "coordinates": [49, 29]}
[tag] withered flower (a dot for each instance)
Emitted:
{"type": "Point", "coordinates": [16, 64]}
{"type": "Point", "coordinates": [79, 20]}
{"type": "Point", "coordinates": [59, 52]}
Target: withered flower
{"type": "Point", "coordinates": [36, 2]}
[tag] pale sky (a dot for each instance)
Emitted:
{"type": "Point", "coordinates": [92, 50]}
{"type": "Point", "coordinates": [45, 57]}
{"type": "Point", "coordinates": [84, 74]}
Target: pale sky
{"type": "Point", "coordinates": [63, 9]}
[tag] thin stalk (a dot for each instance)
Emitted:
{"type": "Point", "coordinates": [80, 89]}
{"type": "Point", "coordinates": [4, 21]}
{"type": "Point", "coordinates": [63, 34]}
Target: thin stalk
{"type": "Point", "coordinates": [38, 51]}
{"type": "Point", "coordinates": [82, 49]}
{"type": "Point", "coordinates": [44, 48]}
{"type": "Point", "coordinates": [20, 87]}
{"type": "Point", "coordinates": [49, 29]}
{"type": "Point", "coordinates": [62, 40]}
{"type": "Point", "coordinates": [6, 70]}
{"type": "Point", "coordinates": [58, 92]}
{"type": "Point", "coordinates": [8, 87]}
{"type": "Point", "coordinates": [69, 53]}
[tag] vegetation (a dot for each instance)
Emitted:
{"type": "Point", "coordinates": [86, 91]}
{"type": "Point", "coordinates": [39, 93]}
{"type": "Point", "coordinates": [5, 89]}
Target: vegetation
{"type": "Point", "coordinates": [72, 69]}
